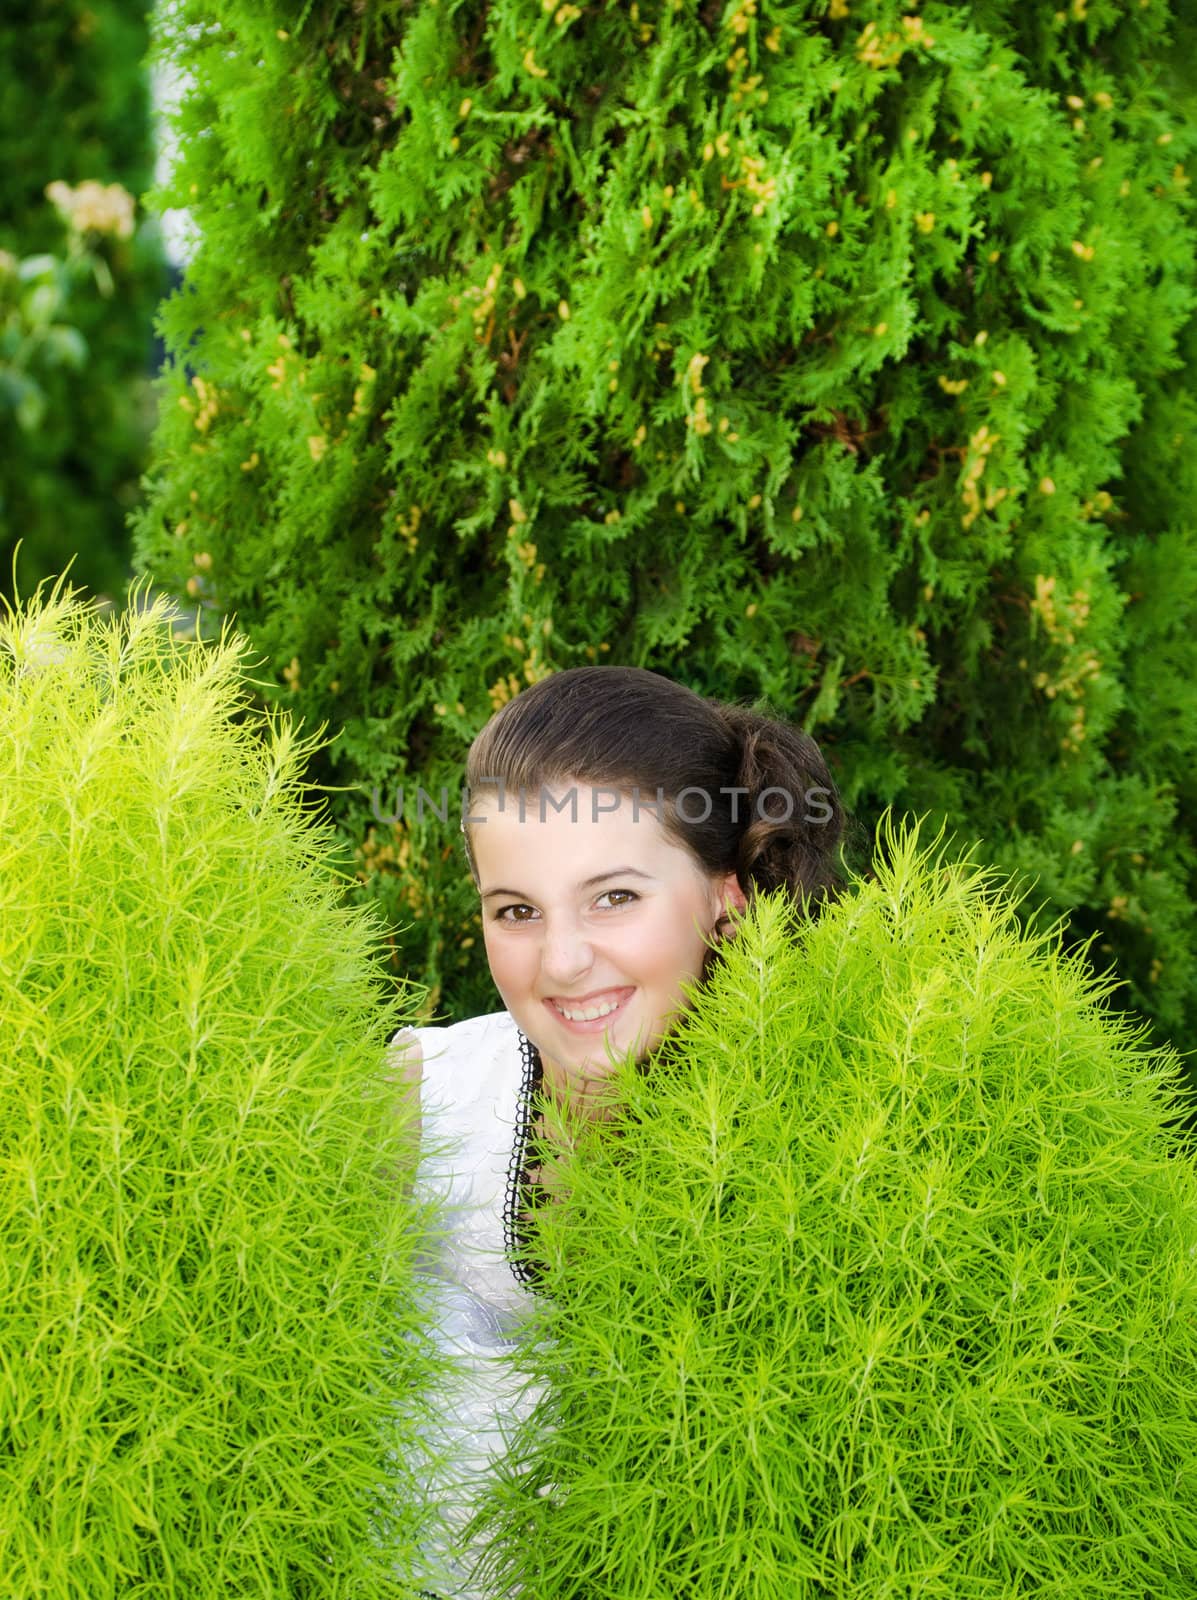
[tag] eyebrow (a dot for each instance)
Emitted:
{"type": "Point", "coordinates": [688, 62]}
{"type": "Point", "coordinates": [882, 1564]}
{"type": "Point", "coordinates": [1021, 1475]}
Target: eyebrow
{"type": "Point", "coordinates": [587, 883]}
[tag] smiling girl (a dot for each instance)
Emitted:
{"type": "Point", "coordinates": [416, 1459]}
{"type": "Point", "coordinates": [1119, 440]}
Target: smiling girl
{"type": "Point", "coordinates": [617, 822]}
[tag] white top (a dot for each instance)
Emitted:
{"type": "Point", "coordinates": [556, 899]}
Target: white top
{"type": "Point", "coordinates": [474, 1103]}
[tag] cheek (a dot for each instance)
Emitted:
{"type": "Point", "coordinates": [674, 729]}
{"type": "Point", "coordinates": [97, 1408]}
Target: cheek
{"type": "Point", "coordinates": [493, 948]}
{"type": "Point", "coordinates": [509, 959]}
{"type": "Point", "coordinates": [672, 946]}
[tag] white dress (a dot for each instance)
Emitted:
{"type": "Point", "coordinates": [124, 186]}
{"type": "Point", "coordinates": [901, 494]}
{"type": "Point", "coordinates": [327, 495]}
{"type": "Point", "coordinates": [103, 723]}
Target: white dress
{"type": "Point", "coordinates": [475, 1098]}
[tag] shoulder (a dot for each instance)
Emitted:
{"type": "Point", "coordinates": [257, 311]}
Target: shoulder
{"type": "Point", "coordinates": [404, 1056]}
{"type": "Point", "coordinates": [448, 1034]}
{"type": "Point", "coordinates": [411, 1047]}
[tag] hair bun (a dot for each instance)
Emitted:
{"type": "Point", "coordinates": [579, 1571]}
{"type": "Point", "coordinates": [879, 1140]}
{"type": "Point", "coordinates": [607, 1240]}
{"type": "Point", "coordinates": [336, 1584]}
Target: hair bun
{"type": "Point", "coordinates": [791, 814]}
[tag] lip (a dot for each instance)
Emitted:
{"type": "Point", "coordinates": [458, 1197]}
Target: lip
{"type": "Point", "coordinates": [624, 989]}
{"type": "Point", "coordinates": [598, 1024]}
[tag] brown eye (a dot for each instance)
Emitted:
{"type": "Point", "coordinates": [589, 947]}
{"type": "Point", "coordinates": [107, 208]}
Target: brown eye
{"type": "Point", "coordinates": [629, 893]}
{"type": "Point", "coordinates": [501, 914]}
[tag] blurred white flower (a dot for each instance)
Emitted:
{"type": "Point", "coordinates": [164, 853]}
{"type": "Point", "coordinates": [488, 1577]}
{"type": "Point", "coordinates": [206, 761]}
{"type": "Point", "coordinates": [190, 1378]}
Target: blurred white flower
{"type": "Point", "coordinates": [94, 207]}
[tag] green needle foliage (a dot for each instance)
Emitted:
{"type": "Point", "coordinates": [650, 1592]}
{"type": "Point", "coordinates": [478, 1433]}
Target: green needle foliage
{"type": "Point", "coordinates": [213, 1359]}
{"type": "Point", "coordinates": [883, 1283]}
{"type": "Point", "coordinates": [829, 351]}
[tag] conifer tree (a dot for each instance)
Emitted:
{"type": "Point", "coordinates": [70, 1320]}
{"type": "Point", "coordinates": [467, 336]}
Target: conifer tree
{"type": "Point", "coordinates": [828, 352]}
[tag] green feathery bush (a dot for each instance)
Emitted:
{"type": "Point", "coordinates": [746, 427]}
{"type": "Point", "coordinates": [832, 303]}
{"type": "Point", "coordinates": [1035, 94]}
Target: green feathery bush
{"type": "Point", "coordinates": [214, 1370]}
{"type": "Point", "coordinates": [835, 352]}
{"type": "Point", "coordinates": [884, 1284]}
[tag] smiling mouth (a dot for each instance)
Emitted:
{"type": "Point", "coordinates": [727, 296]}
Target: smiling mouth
{"type": "Point", "coordinates": [595, 1010]}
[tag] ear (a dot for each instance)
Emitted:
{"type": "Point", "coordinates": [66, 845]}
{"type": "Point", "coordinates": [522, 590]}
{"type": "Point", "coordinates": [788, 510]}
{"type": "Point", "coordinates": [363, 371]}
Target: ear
{"type": "Point", "coordinates": [730, 894]}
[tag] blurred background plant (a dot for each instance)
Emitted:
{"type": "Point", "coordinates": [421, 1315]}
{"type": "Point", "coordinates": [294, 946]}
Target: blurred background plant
{"type": "Point", "coordinates": [81, 272]}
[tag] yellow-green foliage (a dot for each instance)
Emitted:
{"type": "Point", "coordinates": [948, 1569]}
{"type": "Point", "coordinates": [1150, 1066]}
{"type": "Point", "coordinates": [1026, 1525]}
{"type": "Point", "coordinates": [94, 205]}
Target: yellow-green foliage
{"type": "Point", "coordinates": [884, 1286]}
{"type": "Point", "coordinates": [212, 1369]}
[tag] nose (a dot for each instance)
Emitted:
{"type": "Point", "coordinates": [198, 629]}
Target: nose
{"type": "Point", "coordinates": [565, 955]}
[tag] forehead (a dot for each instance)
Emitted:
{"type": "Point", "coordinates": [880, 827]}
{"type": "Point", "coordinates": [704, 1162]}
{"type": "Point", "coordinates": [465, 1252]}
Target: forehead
{"type": "Point", "coordinates": [573, 830]}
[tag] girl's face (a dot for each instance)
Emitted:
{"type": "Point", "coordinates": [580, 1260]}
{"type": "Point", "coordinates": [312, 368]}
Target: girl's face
{"type": "Point", "coordinates": [592, 920]}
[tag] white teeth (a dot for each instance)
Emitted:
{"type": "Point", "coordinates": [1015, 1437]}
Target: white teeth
{"type": "Point", "coordinates": [592, 1014]}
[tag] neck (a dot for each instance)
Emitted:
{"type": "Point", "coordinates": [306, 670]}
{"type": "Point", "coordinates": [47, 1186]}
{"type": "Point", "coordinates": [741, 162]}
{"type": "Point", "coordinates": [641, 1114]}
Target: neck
{"type": "Point", "coordinates": [576, 1094]}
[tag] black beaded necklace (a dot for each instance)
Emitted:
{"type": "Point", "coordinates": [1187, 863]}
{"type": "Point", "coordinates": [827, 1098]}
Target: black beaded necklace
{"type": "Point", "coordinates": [522, 1194]}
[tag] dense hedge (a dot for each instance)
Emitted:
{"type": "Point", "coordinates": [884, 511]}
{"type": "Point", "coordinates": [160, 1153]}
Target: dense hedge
{"type": "Point", "coordinates": [215, 1348]}
{"type": "Point", "coordinates": [76, 408]}
{"type": "Point", "coordinates": [832, 353]}
{"type": "Point", "coordinates": [879, 1285]}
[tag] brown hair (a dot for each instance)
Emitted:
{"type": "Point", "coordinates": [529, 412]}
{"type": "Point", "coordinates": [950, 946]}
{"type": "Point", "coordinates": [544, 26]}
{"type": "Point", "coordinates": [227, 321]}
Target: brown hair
{"type": "Point", "coordinates": [772, 813]}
